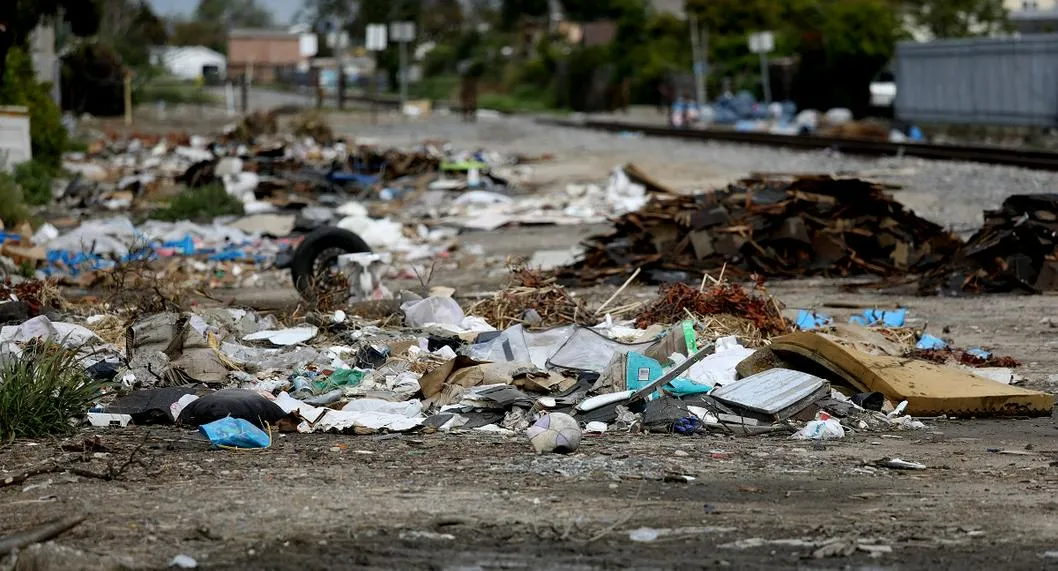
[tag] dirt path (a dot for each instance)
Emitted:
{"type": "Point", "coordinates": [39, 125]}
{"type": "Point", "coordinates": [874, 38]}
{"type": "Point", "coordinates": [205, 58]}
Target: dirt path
{"type": "Point", "coordinates": [476, 501]}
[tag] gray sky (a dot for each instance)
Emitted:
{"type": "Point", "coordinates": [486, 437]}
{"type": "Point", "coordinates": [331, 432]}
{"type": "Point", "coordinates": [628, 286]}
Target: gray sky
{"type": "Point", "coordinates": [282, 10]}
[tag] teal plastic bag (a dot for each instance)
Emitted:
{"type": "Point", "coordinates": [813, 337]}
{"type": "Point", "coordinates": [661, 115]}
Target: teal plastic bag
{"type": "Point", "coordinates": [231, 432]}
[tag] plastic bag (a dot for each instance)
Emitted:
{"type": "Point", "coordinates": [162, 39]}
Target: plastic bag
{"type": "Point", "coordinates": [432, 310]}
{"type": "Point", "coordinates": [235, 433]}
{"type": "Point", "coordinates": [823, 428]}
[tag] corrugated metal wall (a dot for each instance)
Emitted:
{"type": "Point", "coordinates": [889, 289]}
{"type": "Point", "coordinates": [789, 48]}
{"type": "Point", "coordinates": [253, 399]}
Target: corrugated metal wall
{"type": "Point", "coordinates": [983, 81]}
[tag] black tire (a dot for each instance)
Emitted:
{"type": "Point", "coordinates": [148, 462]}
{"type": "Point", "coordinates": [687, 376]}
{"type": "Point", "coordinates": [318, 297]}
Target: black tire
{"type": "Point", "coordinates": [306, 262]}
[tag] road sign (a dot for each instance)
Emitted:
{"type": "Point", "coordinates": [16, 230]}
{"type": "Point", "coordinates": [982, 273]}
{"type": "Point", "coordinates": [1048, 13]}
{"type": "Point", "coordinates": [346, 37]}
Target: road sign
{"type": "Point", "coordinates": [376, 37]}
{"type": "Point", "coordinates": [761, 42]}
{"type": "Point", "coordinates": [402, 31]}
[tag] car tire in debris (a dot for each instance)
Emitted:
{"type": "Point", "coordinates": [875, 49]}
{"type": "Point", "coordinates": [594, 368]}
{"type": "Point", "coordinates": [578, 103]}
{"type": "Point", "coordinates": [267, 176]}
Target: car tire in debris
{"type": "Point", "coordinates": [318, 250]}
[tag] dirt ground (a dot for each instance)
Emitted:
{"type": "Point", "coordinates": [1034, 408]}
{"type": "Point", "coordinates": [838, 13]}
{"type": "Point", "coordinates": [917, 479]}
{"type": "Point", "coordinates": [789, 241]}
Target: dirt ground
{"type": "Point", "coordinates": [471, 501]}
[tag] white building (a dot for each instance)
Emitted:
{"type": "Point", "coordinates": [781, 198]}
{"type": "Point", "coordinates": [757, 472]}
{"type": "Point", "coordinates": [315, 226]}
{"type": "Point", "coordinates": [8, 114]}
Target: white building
{"type": "Point", "coordinates": [190, 62]}
{"type": "Point", "coordinates": [1033, 16]}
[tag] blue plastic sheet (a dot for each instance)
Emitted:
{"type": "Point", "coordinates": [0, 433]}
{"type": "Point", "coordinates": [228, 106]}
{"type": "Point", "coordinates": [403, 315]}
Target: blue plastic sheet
{"type": "Point", "coordinates": [876, 317]}
{"type": "Point", "coordinates": [979, 353]}
{"type": "Point", "coordinates": [72, 263]}
{"type": "Point", "coordinates": [809, 320]}
{"type": "Point", "coordinates": [930, 343]}
{"type": "Point", "coordinates": [235, 433]}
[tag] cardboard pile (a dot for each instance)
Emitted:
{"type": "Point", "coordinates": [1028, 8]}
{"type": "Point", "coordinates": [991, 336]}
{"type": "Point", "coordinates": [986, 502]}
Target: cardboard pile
{"type": "Point", "coordinates": [778, 228]}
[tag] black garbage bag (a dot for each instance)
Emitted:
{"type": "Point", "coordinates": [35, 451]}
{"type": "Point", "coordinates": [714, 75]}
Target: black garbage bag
{"type": "Point", "coordinates": [236, 403]}
{"type": "Point", "coordinates": [149, 406]}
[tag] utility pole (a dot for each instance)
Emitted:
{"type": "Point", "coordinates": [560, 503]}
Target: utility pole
{"type": "Point", "coordinates": [376, 42]}
{"type": "Point", "coordinates": [403, 33]}
{"type": "Point", "coordinates": [761, 43]}
{"type": "Point", "coordinates": [698, 51]}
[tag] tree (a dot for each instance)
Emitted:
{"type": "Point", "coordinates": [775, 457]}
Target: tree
{"type": "Point", "coordinates": [18, 19]}
{"type": "Point", "coordinates": [957, 18]}
{"type": "Point", "coordinates": [591, 10]}
{"type": "Point", "coordinates": [440, 20]}
{"type": "Point", "coordinates": [132, 28]}
{"type": "Point", "coordinates": [234, 13]}
{"type": "Point", "coordinates": [195, 33]}
{"type": "Point", "coordinates": [512, 11]}
{"type": "Point", "coordinates": [842, 45]}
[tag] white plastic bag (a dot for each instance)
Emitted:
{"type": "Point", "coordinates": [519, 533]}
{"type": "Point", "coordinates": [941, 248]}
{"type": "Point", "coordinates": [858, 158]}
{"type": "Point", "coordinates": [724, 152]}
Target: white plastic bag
{"type": "Point", "coordinates": [823, 428]}
{"type": "Point", "coordinates": [432, 310]}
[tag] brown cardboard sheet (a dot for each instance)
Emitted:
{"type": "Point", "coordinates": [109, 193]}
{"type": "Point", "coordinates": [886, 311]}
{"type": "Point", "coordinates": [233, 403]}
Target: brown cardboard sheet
{"type": "Point", "coordinates": [929, 389]}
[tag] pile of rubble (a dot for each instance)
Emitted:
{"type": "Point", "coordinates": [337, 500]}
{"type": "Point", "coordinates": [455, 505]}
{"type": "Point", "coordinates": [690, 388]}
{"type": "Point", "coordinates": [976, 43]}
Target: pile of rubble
{"type": "Point", "coordinates": [1015, 251]}
{"type": "Point", "coordinates": [773, 227]}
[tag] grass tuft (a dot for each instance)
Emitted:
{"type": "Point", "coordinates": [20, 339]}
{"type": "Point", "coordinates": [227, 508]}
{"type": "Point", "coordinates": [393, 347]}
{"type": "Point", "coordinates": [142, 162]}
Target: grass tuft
{"type": "Point", "coordinates": [206, 202]}
{"type": "Point", "coordinates": [42, 390]}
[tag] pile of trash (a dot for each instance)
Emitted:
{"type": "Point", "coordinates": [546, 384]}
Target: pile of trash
{"type": "Point", "coordinates": [743, 112]}
{"type": "Point", "coordinates": [680, 367]}
{"type": "Point", "coordinates": [408, 202]}
{"type": "Point", "coordinates": [1015, 251]}
{"type": "Point", "coordinates": [807, 226]}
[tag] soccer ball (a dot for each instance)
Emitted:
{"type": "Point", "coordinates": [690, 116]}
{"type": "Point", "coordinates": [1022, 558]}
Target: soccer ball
{"type": "Point", "coordinates": [555, 432]}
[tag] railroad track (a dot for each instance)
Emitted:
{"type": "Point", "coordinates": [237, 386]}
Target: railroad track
{"type": "Point", "coordinates": [1026, 158]}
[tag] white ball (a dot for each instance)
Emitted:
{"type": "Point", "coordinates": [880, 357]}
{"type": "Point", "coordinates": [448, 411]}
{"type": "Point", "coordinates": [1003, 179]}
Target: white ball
{"type": "Point", "coordinates": [555, 432]}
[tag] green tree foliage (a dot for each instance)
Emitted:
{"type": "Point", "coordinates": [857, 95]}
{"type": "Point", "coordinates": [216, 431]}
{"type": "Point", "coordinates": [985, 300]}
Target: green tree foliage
{"type": "Point", "coordinates": [213, 18]}
{"type": "Point", "coordinates": [18, 19]}
{"type": "Point", "coordinates": [132, 28]}
{"type": "Point", "coordinates": [839, 55]}
{"type": "Point", "coordinates": [440, 20]}
{"type": "Point", "coordinates": [234, 13]}
{"type": "Point", "coordinates": [195, 33]}
{"type": "Point", "coordinates": [592, 10]}
{"type": "Point", "coordinates": [512, 11]}
{"type": "Point", "coordinates": [20, 87]}
{"type": "Point", "coordinates": [957, 18]}
{"type": "Point", "coordinates": [838, 45]}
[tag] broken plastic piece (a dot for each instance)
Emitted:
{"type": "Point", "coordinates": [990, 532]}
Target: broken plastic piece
{"type": "Point", "coordinates": [883, 317]}
{"type": "Point", "coordinates": [235, 433]}
{"type": "Point", "coordinates": [930, 343]}
{"type": "Point", "coordinates": [809, 320]}
{"type": "Point", "coordinates": [284, 337]}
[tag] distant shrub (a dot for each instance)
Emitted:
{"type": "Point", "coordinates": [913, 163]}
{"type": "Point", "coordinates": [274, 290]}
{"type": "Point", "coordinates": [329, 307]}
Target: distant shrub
{"type": "Point", "coordinates": [205, 202]}
{"type": "Point", "coordinates": [13, 209]}
{"type": "Point", "coordinates": [35, 179]}
{"type": "Point", "coordinates": [19, 86]}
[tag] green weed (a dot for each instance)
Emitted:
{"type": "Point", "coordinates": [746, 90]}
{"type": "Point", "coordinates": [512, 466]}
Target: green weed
{"type": "Point", "coordinates": [42, 390]}
{"type": "Point", "coordinates": [205, 202]}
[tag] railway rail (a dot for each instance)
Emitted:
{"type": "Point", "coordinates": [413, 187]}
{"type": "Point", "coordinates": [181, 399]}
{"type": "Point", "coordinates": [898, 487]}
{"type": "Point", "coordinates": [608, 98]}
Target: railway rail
{"type": "Point", "coordinates": [1025, 158]}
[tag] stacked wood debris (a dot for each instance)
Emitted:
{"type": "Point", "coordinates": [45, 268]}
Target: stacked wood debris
{"type": "Point", "coordinates": [1015, 251]}
{"type": "Point", "coordinates": [808, 226]}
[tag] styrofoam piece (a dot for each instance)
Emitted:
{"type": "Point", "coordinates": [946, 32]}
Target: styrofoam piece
{"type": "Point", "coordinates": [284, 337]}
{"type": "Point", "coordinates": [107, 419]}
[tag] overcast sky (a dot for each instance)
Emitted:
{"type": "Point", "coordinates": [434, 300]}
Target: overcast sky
{"type": "Point", "coordinates": [282, 10]}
